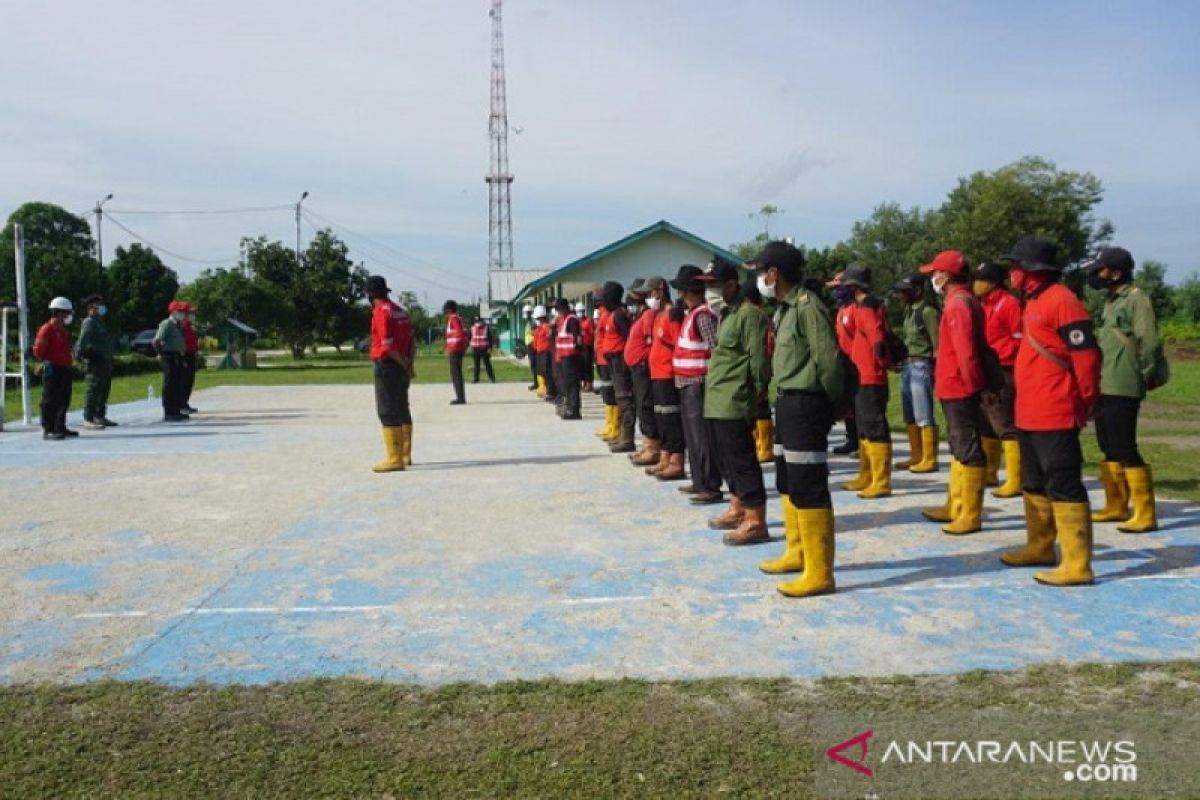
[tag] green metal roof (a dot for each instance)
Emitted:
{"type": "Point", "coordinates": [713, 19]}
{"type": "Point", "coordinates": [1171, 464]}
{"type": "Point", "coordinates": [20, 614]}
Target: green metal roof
{"type": "Point", "coordinates": [659, 227]}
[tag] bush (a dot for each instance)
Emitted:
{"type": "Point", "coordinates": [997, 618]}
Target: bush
{"type": "Point", "coordinates": [129, 364]}
{"type": "Point", "coordinates": [1176, 331]}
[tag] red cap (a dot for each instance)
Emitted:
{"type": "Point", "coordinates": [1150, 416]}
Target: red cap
{"type": "Point", "coordinates": [951, 261]}
{"type": "Point", "coordinates": [173, 305]}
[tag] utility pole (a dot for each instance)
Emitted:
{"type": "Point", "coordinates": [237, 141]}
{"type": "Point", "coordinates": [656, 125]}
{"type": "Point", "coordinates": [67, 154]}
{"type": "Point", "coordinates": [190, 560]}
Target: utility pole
{"type": "Point", "coordinates": [499, 181]}
{"type": "Point", "coordinates": [99, 212]}
{"type": "Point", "coordinates": [298, 202]}
{"type": "Point", "coordinates": [22, 322]}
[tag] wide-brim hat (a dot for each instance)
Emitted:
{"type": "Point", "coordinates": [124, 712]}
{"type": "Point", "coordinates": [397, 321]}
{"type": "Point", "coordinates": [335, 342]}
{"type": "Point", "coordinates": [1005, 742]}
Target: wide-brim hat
{"type": "Point", "coordinates": [1034, 255]}
{"type": "Point", "coordinates": [688, 278]}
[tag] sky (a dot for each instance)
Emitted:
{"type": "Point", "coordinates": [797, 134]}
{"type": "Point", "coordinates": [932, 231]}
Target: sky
{"type": "Point", "coordinates": [628, 112]}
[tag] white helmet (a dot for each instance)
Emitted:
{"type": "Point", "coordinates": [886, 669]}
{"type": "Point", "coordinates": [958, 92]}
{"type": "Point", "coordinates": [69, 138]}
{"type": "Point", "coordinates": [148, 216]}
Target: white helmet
{"type": "Point", "coordinates": [61, 304]}
{"type": "Point", "coordinates": [539, 312]}
{"type": "Point", "coordinates": [579, 308]}
{"type": "Point", "coordinates": [596, 314]}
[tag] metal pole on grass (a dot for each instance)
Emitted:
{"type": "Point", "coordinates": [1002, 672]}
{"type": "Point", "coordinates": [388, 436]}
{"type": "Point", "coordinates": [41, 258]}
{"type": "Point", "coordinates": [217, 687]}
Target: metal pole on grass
{"type": "Point", "coordinates": [23, 323]}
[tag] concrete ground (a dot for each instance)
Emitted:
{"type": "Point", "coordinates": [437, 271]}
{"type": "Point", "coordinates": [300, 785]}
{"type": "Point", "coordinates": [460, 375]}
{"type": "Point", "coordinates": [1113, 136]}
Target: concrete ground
{"type": "Point", "coordinates": [254, 544]}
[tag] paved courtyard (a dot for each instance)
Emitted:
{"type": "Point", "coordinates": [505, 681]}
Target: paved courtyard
{"type": "Point", "coordinates": [254, 544]}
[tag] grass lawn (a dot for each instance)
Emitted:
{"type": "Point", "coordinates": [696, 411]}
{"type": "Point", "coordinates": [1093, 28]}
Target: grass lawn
{"type": "Point", "coordinates": [351, 738]}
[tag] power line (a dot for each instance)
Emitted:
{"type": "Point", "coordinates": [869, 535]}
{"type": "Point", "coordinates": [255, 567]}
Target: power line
{"type": "Point", "coordinates": [164, 250]}
{"type": "Point", "coordinates": [391, 249]}
{"type": "Point", "coordinates": [249, 210]}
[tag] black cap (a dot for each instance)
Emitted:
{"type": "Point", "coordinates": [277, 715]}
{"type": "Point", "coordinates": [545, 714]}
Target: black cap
{"type": "Point", "coordinates": [377, 286]}
{"type": "Point", "coordinates": [92, 300]}
{"type": "Point", "coordinates": [688, 277]}
{"type": "Point", "coordinates": [1111, 257]}
{"type": "Point", "coordinates": [857, 275]}
{"type": "Point", "coordinates": [719, 271]}
{"type": "Point", "coordinates": [750, 291]}
{"type": "Point", "coordinates": [636, 286]}
{"type": "Point", "coordinates": [562, 303]}
{"type": "Point", "coordinates": [1035, 255]}
{"type": "Point", "coordinates": [785, 257]}
{"type": "Point", "coordinates": [991, 271]}
{"type": "Point", "coordinates": [654, 282]}
{"type": "Point", "coordinates": [610, 295]}
{"type": "Point", "coordinates": [912, 282]}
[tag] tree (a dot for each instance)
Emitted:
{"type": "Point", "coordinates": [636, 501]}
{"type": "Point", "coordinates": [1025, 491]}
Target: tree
{"type": "Point", "coordinates": [60, 257]}
{"type": "Point", "coordinates": [222, 294]}
{"type": "Point", "coordinates": [140, 286]}
{"type": "Point", "coordinates": [893, 241]}
{"type": "Point", "coordinates": [1186, 299]}
{"type": "Point", "coordinates": [748, 250]}
{"type": "Point", "coordinates": [765, 213]}
{"type": "Point", "coordinates": [292, 313]}
{"type": "Point", "coordinates": [1150, 277]}
{"type": "Point", "coordinates": [988, 211]}
{"type": "Point", "coordinates": [336, 288]}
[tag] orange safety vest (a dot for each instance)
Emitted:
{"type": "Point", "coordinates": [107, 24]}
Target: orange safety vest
{"type": "Point", "coordinates": [691, 351]}
{"type": "Point", "coordinates": [565, 345]}
{"type": "Point", "coordinates": [601, 321]}
{"type": "Point", "coordinates": [480, 340]}
{"type": "Point", "coordinates": [456, 337]}
{"type": "Point", "coordinates": [662, 348]}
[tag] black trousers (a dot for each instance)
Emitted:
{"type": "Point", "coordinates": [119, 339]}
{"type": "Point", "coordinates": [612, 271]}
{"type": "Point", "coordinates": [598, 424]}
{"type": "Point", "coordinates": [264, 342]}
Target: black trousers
{"type": "Point", "coordinates": [172, 383]}
{"type": "Point", "coordinates": [643, 401]}
{"type": "Point", "coordinates": [589, 365]}
{"type": "Point", "coordinates": [849, 390]}
{"type": "Point", "coordinates": [668, 414]}
{"type": "Point", "coordinates": [1052, 464]}
{"type": "Point", "coordinates": [737, 459]}
{"type": "Point", "coordinates": [870, 412]}
{"type": "Point", "coordinates": [391, 394]}
{"type": "Point", "coordinates": [605, 385]}
{"type": "Point", "coordinates": [622, 380]}
{"type": "Point", "coordinates": [570, 374]}
{"type": "Point", "coordinates": [802, 423]}
{"type": "Point", "coordinates": [965, 419]}
{"type": "Point", "coordinates": [701, 458]}
{"type": "Point", "coordinates": [189, 379]}
{"type": "Point", "coordinates": [56, 398]}
{"type": "Point", "coordinates": [533, 366]}
{"type": "Point", "coordinates": [456, 376]}
{"type": "Point", "coordinates": [486, 357]}
{"type": "Point", "coordinates": [1116, 429]}
{"type": "Point", "coordinates": [998, 407]}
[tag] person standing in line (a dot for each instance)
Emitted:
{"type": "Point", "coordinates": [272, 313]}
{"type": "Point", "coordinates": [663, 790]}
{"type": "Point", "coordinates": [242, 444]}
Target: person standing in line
{"type": "Point", "coordinates": [738, 379]}
{"type": "Point", "coordinates": [611, 339]}
{"type": "Point", "coordinates": [1133, 364]}
{"type": "Point", "coordinates": [808, 374]}
{"type": "Point", "coordinates": [95, 348]}
{"type": "Point", "coordinates": [664, 335]}
{"type": "Point", "coordinates": [603, 385]}
{"type": "Point", "coordinates": [869, 352]}
{"type": "Point", "coordinates": [567, 346]}
{"type": "Point", "coordinates": [1058, 387]}
{"type": "Point", "coordinates": [843, 301]}
{"type": "Point", "coordinates": [637, 357]}
{"type": "Point", "coordinates": [693, 350]}
{"type": "Point", "coordinates": [52, 347]}
{"type": "Point", "coordinates": [1002, 328]}
{"type": "Point", "coordinates": [916, 376]}
{"type": "Point", "coordinates": [764, 428]}
{"type": "Point", "coordinates": [168, 343]}
{"type": "Point", "coordinates": [456, 347]}
{"type": "Point", "coordinates": [393, 351]}
{"type": "Point", "coordinates": [959, 382]}
{"type": "Point", "coordinates": [191, 357]}
{"type": "Point", "coordinates": [482, 342]}
{"type": "Point", "coordinates": [540, 350]}
{"type": "Point", "coordinates": [587, 328]}
{"type": "Point", "coordinates": [530, 326]}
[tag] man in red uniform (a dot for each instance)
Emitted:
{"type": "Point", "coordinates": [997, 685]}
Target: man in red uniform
{"type": "Point", "coordinates": [603, 383]}
{"type": "Point", "coordinates": [542, 345]}
{"type": "Point", "coordinates": [958, 381]}
{"type": "Point", "coordinates": [191, 357]}
{"type": "Point", "coordinates": [667, 411]}
{"type": "Point", "coordinates": [611, 336]}
{"type": "Point", "coordinates": [392, 351]}
{"type": "Point", "coordinates": [1058, 385]}
{"type": "Point", "coordinates": [1002, 326]}
{"type": "Point", "coordinates": [637, 358]}
{"type": "Point", "coordinates": [843, 323]}
{"type": "Point", "coordinates": [567, 357]}
{"type": "Point", "coordinates": [869, 353]}
{"type": "Point", "coordinates": [52, 347]}
{"type": "Point", "coordinates": [481, 349]}
{"type": "Point", "coordinates": [456, 347]}
{"type": "Point", "coordinates": [587, 333]}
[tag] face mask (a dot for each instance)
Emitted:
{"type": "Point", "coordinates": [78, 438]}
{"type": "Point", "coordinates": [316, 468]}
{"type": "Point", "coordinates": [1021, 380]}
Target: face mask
{"type": "Point", "coordinates": [653, 303]}
{"type": "Point", "coordinates": [768, 292]}
{"type": "Point", "coordinates": [632, 308]}
{"type": "Point", "coordinates": [843, 295]}
{"type": "Point", "coordinates": [68, 319]}
{"type": "Point", "coordinates": [1094, 281]}
{"type": "Point", "coordinates": [939, 285]}
{"type": "Point", "coordinates": [1017, 277]}
{"type": "Point", "coordinates": [101, 310]}
{"type": "Point", "coordinates": [714, 297]}
{"type": "Point", "coordinates": [980, 288]}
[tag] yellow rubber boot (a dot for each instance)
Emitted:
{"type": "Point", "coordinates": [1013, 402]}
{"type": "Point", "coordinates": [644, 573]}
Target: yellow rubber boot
{"type": "Point", "coordinates": [1074, 524]}
{"type": "Point", "coordinates": [541, 386]}
{"type": "Point", "coordinates": [1040, 534]}
{"type": "Point", "coordinates": [610, 425]}
{"type": "Point", "coordinates": [991, 451]}
{"type": "Point", "coordinates": [392, 441]}
{"type": "Point", "coordinates": [1141, 492]}
{"type": "Point", "coordinates": [948, 511]}
{"type": "Point", "coordinates": [614, 428]}
{"type": "Point", "coordinates": [914, 447]}
{"type": "Point", "coordinates": [929, 451]}
{"type": "Point", "coordinates": [1116, 493]}
{"type": "Point", "coordinates": [1012, 469]}
{"type": "Point", "coordinates": [765, 441]}
{"type": "Point", "coordinates": [406, 444]}
{"type": "Point", "coordinates": [970, 491]}
{"type": "Point", "coordinates": [864, 470]}
{"type": "Point", "coordinates": [881, 471]}
{"type": "Point", "coordinates": [816, 539]}
{"type": "Point", "coordinates": [792, 559]}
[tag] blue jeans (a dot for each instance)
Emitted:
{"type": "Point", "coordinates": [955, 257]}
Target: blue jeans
{"type": "Point", "coordinates": [916, 392]}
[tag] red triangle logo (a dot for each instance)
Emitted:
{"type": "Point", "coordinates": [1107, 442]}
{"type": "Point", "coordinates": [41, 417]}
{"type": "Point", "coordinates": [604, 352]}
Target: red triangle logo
{"type": "Point", "coordinates": [835, 753]}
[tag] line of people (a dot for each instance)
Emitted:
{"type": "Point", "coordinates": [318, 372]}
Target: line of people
{"type": "Point", "coordinates": [690, 363]}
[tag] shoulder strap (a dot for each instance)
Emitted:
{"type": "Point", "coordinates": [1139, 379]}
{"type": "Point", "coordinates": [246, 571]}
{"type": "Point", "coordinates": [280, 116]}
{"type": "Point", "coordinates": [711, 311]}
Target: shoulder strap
{"type": "Point", "coordinates": [1053, 359]}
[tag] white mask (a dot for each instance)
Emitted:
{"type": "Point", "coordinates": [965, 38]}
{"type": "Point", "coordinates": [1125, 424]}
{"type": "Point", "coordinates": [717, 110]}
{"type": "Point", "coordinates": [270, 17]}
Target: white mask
{"type": "Point", "coordinates": [653, 303]}
{"type": "Point", "coordinates": [68, 319]}
{"type": "Point", "coordinates": [768, 292]}
{"type": "Point", "coordinates": [714, 297]}
{"type": "Point", "coordinates": [939, 286]}
{"type": "Point", "coordinates": [632, 308]}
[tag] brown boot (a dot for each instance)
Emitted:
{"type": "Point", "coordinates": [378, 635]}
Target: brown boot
{"type": "Point", "coordinates": [731, 519]}
{"type": "Point", "coordinates": [664, 458]}
{"type": "Point", "coordinates": [674, 470]}
{"type": "Point", "coordinates": [753, 529]}
{"type": "Point", "coordinates": [651, 449]}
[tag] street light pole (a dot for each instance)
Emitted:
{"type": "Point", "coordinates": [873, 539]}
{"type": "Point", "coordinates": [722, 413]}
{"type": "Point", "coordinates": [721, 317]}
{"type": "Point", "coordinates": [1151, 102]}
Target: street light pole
{"type": "Point", "coordinates": [298, 202]}
{"type": "Point", "coordinates": [99, 212]}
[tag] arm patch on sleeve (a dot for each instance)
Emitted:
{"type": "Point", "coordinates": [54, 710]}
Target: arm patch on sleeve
{"type": "Point", "coordinates": [1078, 335]}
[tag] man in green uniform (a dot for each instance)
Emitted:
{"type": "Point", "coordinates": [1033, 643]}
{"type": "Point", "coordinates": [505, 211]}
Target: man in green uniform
{"type": "Point", "coordinates": [921, 319]}
{"type": "Point", "coordinates": [1133, 364]}
{"type": "Point", "coordinates": [808, 375]}
{"type": "Point", "coordinates": [739, 373]}
{"type": "Point", "coordinates": [95, 348]}
{"type": "Point", "coordinates": [168, 343]}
